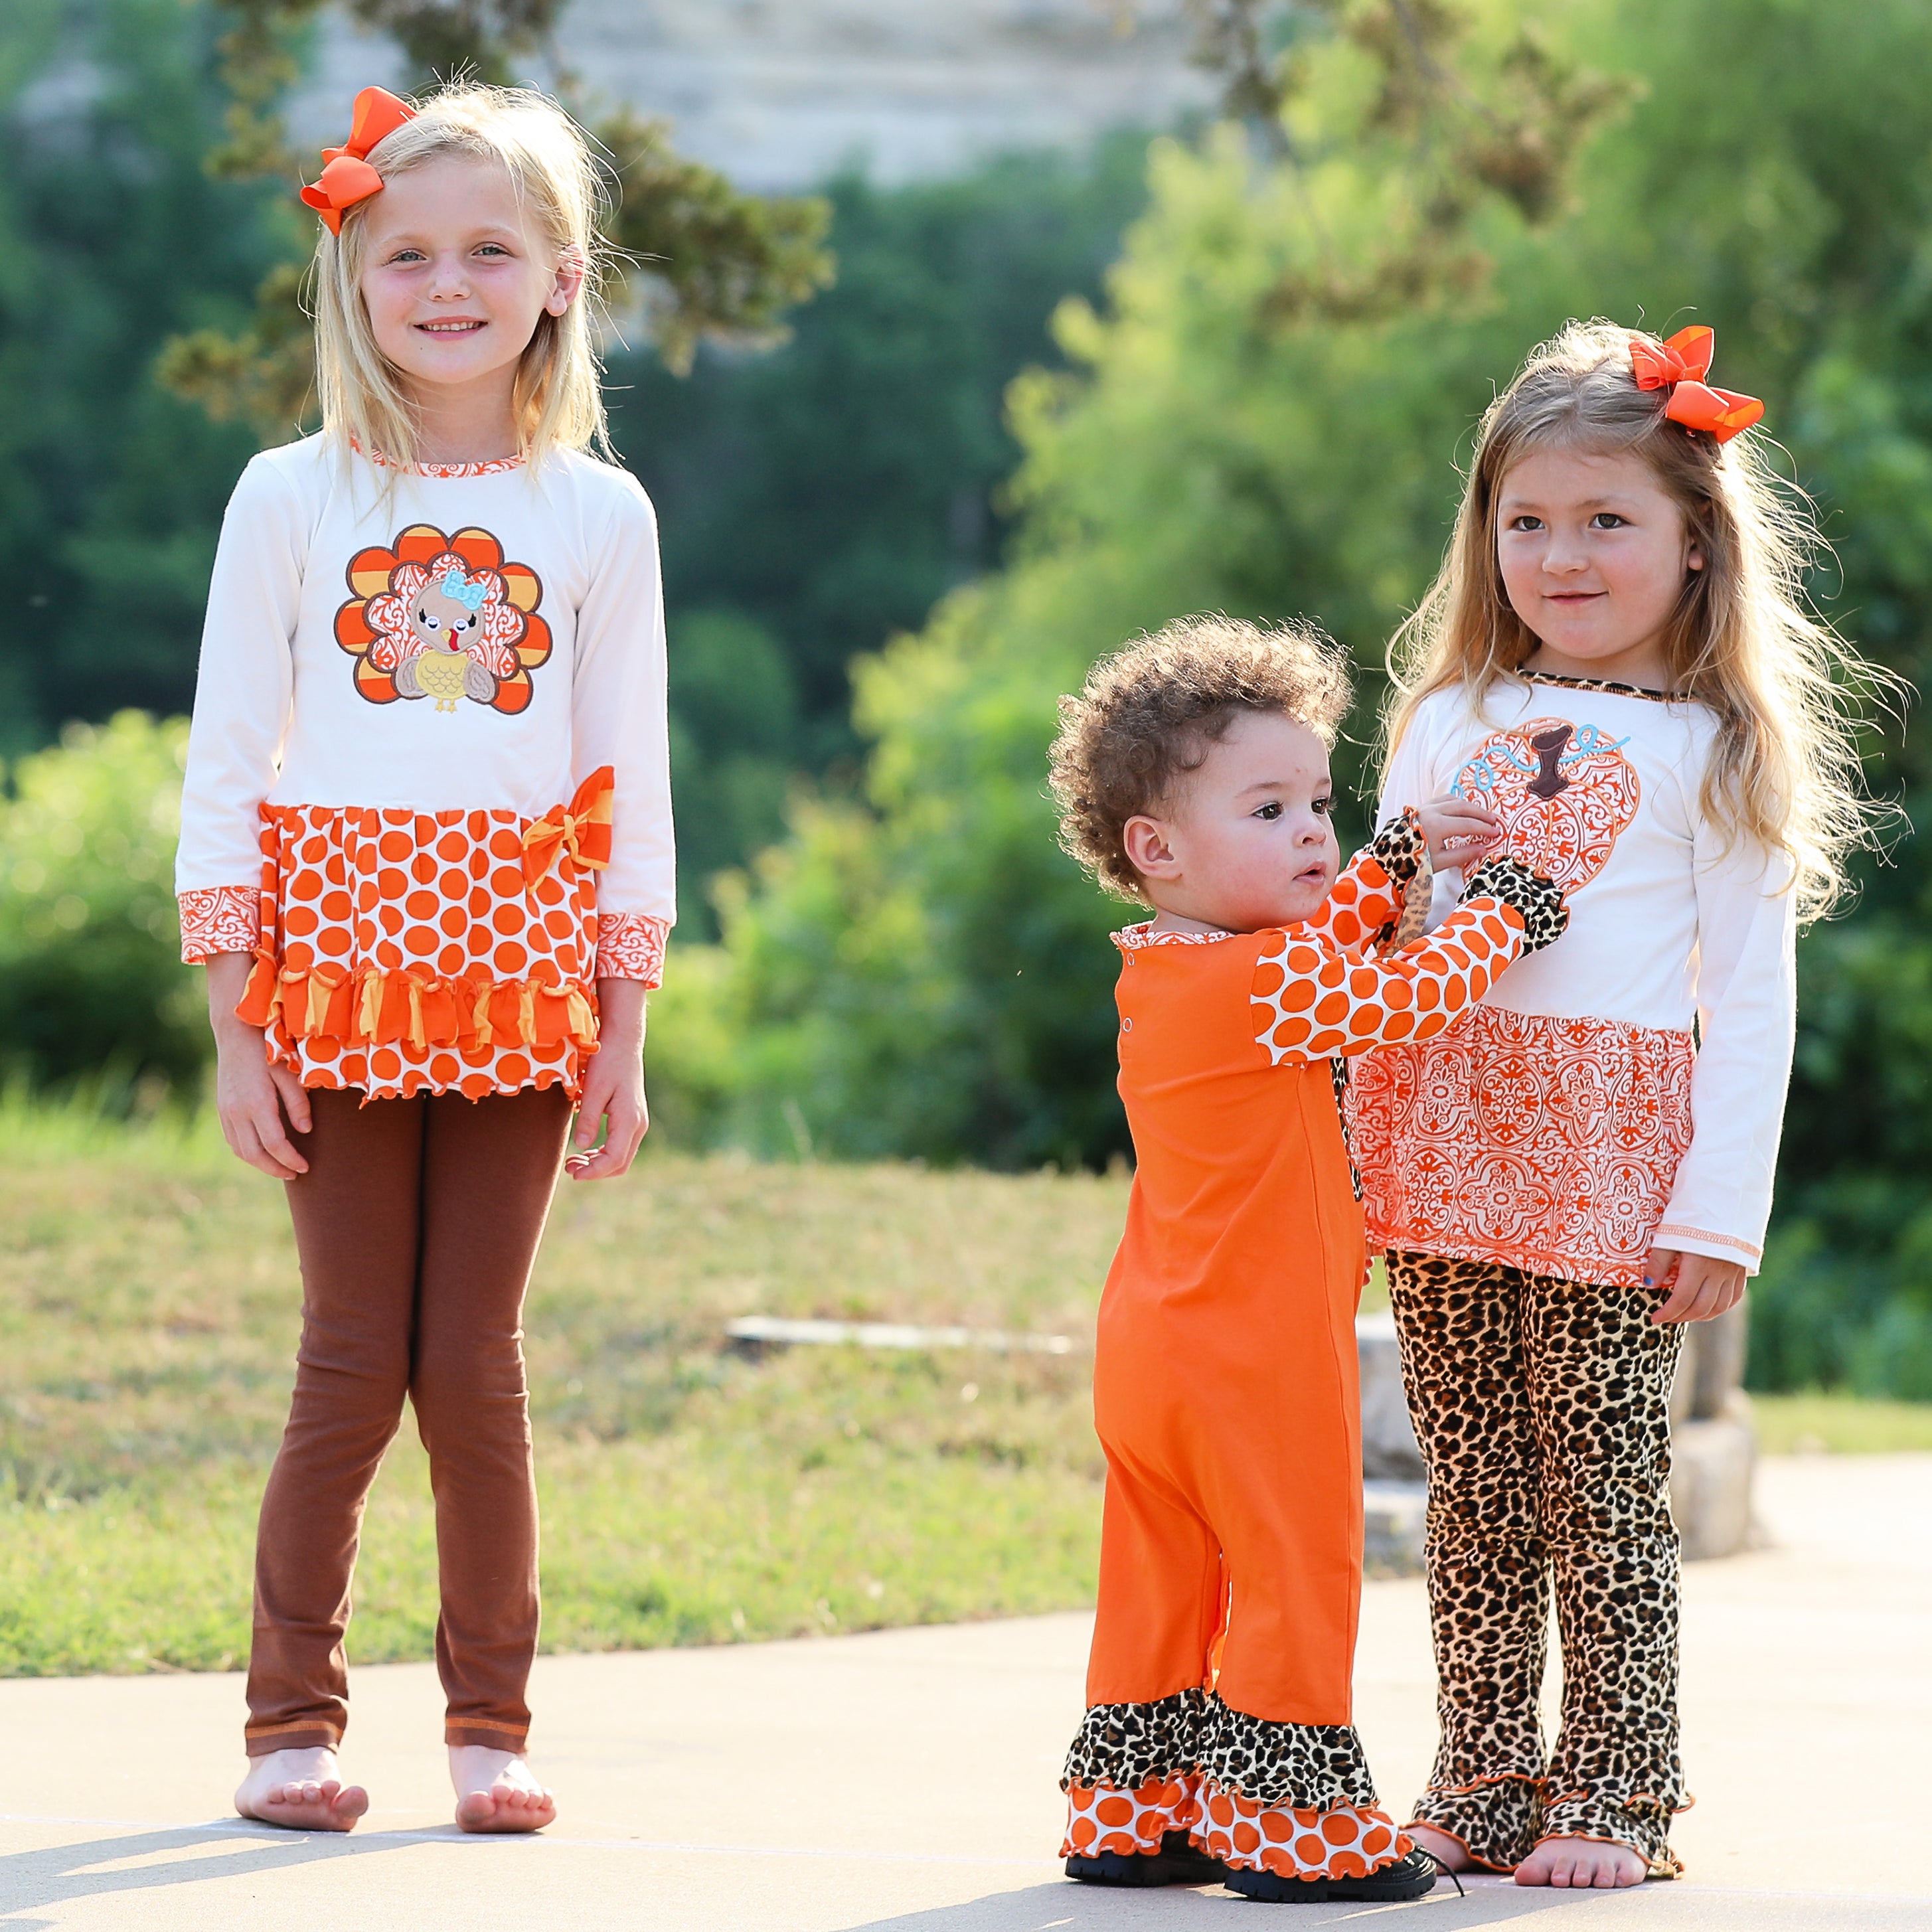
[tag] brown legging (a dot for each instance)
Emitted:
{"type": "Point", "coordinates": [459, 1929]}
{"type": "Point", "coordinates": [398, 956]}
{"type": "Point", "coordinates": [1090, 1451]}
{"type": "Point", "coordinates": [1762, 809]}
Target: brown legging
{"type": "Point", "coordinates": [417, 1223]}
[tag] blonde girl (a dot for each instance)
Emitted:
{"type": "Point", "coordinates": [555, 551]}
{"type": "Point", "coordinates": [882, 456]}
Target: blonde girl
{"type": "Point", "coordinates": [426, 858]}
{"type": "Point", "coordinates": [1614, 662]}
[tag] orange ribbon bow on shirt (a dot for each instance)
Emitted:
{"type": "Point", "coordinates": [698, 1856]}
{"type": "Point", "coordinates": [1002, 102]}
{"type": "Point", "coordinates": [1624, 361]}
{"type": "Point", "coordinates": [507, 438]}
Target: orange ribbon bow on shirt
{"type": "Point", "coordinates": [582, 828]}
{"type": "Point", "coordinates": [1680, 365]}
{"type": "Point", "coordinates": [347, 177]}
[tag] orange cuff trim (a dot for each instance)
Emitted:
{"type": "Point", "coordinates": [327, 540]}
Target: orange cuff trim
{"type": "Point", "coordinates": [219, 919]}
{"type": "Point", "coordinates": [631, 945]}
{"type": "Point", "coordinates": [1661, 1239]}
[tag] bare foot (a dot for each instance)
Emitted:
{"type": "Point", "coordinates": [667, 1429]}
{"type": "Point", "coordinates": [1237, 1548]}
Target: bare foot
{"type": "Point", "coordinates": [1580, 1863]}
{"type": "Point", "coordinates": [300, 1788]}
{"type": "Point", "coordinates": [1451, 1854]}
{"type": "Point", "coordinates": [496, 1791]}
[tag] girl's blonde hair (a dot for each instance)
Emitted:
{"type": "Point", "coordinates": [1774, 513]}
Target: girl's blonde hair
{"type": "Point", "coordinates": [559, 398]}
{"type": "Point", "coordinates": [1784, 769]}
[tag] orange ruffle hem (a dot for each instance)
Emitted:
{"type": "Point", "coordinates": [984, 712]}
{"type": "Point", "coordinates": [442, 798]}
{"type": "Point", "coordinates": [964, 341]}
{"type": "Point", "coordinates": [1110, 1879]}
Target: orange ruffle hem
{"type": "Point", "coordinates": [404, 952]}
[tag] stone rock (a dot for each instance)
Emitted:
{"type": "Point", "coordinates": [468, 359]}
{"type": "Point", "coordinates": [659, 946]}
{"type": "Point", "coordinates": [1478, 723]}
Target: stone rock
{"type": "Point", "coordinates": [1389, 1451]}
{"type": "Point", "coordinates": [779, 94]}
{"type": "Point", "coordinates": [1392, 1516]}
{"type": "Point", "coordinates": [1712, 1461]}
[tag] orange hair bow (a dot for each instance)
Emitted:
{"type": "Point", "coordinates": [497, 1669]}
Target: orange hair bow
{"type": "Point", "coordinates": [347, 177]}
{"type": "Point", "coordinates": [1681, 365]}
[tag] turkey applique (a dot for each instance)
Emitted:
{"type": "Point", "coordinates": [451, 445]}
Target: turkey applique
{"type": "Point", "coordinates": [444, 618]}
{"type": "Point", "coordinates": [1564, 793]}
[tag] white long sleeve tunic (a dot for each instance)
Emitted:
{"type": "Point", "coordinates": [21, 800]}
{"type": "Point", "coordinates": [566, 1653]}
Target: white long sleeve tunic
{"type": "Point", "coordinates": [428, 776]}
{"type": "Point", "coordinates": [1624, 1087]}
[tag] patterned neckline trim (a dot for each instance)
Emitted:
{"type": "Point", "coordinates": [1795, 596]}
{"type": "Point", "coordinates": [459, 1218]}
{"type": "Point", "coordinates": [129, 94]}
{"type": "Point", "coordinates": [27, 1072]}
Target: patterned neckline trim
{"type": "Point", "coordinates": [495, 466]}
{"type": "Point", "coordinates": [1136, 938]}
{"type": "Point", "coordinates": [1606, 684]}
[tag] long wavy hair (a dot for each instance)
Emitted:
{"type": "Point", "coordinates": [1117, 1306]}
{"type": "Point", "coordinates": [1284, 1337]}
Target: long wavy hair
{"type": "Point", "coordinates": [1788, 692]}
{"type": "Point", "coordinates": [558, 401]}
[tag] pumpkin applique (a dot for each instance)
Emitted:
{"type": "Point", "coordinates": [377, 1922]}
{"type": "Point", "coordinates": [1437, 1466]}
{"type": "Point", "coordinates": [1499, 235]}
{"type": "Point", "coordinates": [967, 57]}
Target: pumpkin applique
{"type": "Point", "coordinates": [444, 618]}
{"type": "Point", "coordinates": [1565, 794]}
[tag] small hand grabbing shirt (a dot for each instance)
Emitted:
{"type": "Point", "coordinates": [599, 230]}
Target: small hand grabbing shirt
{"type": "Point", "coordinates": [428, 776]}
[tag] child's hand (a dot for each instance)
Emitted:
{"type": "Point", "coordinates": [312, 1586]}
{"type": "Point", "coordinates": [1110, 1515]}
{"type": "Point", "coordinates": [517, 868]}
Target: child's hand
{"type": "Point", "coordinates": [257, 1103]}
{"type": "Point", "coordinates": [1703, 1287]}
{"type": "Point", "coordinates": [613, 1086]}
{"type": "Point", "coordinates": [1459, 832]}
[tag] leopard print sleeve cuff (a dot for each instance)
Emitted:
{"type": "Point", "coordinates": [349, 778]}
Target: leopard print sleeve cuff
{"type": "Point", "coordinates": [1538, 901]}
{"type": "Point", "coordinates": [1402, 851]}
{"type": "Point", "coordinates": [219, 919]}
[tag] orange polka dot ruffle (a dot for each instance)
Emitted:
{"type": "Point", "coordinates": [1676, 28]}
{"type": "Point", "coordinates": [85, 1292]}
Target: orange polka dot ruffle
{"type": "Point", "coordinates": [402, 951]}
{"type": "Point", "coordinates": [1346, 1841]}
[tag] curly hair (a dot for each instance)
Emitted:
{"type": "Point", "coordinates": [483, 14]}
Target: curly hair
{"type": "Point", "coordinates": [1146, 717]}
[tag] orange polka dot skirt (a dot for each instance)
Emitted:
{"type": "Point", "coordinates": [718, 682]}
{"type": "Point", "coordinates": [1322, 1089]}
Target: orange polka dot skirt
{"type": "Point", "coordinates": [1344, 1841]}
{"type": "Point", "coordinates": [409, 952]}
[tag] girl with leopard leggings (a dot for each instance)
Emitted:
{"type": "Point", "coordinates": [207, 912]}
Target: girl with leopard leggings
{"type": "Point", "coordinates": [1615, 661]}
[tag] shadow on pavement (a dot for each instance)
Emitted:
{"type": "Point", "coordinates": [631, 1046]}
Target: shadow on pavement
{"type": "Point", "coordinates": [1066, 1907]}
{"type": "Point", "coordinates": [145, 1861]}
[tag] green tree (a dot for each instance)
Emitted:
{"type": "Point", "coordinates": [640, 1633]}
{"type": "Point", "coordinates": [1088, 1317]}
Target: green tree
{"type": "Point", "coordinates": [699, 259]}
{"type": "Point", "coordinates": [91, 980]}
{"type": "Point", "coordinates": [836, 488]}
{"type": "Point", "coordinates": [1264, 419]}
{"type": "Point", "coordinates": [113, 237]}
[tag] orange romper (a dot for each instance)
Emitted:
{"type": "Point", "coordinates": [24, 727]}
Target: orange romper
{"type": "Point", "coordinates": [1225, 1390]}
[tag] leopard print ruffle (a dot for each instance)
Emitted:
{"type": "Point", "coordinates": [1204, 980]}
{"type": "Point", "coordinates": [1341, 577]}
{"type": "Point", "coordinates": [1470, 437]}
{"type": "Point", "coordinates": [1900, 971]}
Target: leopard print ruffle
{"type": "Point", "coordinates": [1128, 1745]}
{"type": "Point", "coordinates": [1542, 1409]}
{"type": "Point", "coordinates": [1292, 1767]}
{"type": "Point", "coordinates": [1539, 900]}
{"type": "Point", "coordinates": [1338, 1068]}
{"type": "Point", "coordinates": [1306, 1767]}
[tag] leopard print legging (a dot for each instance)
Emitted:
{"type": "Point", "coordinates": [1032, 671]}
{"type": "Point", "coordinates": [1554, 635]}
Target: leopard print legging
{"type": "Point", "coordinates": [1542, 1409]}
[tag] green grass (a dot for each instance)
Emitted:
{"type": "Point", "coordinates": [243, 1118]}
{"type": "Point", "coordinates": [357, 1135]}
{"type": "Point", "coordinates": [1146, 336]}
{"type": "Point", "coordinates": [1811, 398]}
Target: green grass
{"type": "Point", "coordinates": [147, 1332]}
{"type": "Point", "coordinates": [148, 1310]}
{"type": "Point", "coordinates": [1814, 1423]}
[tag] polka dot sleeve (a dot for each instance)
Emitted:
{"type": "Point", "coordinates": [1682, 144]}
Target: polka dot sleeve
{"type": "Point", "coordinates": [1376, 888]}
{"type": "Point", "coordinates": [1311, 1000]}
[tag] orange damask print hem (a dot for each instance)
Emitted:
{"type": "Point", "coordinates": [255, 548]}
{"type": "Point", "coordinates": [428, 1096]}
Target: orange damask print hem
{"type": "Point", "coordinates": [443, 617]}
{"type": "Point", "coordinates": [1549, 1145]}
{"type": "Point", "coordinates": [1344, 1841]}
{"type": "Point", "coordinates": [404, 952]}
{"type": "Point", "coordinates": [218, 919]}
{"type": "Point", "coordinates": [631, 945]}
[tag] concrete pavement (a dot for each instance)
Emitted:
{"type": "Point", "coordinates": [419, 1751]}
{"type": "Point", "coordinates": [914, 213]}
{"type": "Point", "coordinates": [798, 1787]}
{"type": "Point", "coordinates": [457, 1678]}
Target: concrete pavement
{"type": "Point", "coordinates": [904, 1782]}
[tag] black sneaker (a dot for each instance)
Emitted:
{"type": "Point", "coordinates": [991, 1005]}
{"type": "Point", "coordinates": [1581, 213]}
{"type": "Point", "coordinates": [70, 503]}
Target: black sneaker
{"type": "Point", "coordinates": [1177, 1862]}
{"type": "Point", "coordinates": [1412, 1877]}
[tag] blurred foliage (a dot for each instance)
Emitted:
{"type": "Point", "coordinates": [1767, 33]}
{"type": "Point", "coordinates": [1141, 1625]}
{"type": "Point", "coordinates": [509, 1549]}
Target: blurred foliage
{"type": "Point", "coordinates": [698, 260]}
{"type": "Point", "coordinates": [92, 985]}
{"type": "Point", "coordinates": [1260, 416]}
{"type": "Point", "coordinates": [836, 489]}
{"type": "Point", "coordinates": [1264, 419]}
{"type": "Point", "coordinates": [111, 238]}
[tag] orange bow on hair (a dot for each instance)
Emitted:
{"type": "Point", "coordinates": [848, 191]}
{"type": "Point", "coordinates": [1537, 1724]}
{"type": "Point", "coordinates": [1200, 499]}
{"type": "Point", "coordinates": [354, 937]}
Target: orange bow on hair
{"type": "Point", "coordinates": [1680, 365]}
{"type": "Point", "coordinates": [347, 177]}
{"type": "Point", "coordinates": [582, 828]}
